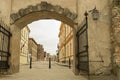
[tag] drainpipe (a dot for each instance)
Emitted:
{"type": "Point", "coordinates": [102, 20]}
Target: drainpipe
{"type": "Point", "coordinates": [65, 44]}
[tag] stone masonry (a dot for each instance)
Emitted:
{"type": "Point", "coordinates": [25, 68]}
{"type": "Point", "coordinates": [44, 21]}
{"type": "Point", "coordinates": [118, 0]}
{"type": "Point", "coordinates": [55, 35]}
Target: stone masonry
{"type": "Point", "coordinates": [115, 38]}
{"type": "Point", "coordinates": [115, 34]}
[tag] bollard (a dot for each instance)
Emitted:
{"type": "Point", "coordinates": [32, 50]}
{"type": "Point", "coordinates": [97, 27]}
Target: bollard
{"type": "Point", "coordinates": [49, 63]}
{"type": "Point", "coordinates": [30, 62]}
{"type": "Point", "coordinates": [69, 64]}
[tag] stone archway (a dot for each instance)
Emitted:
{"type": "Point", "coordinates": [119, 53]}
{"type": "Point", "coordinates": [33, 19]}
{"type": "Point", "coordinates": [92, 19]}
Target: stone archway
{"type": "Point", "coordinates": [25, 16]}
{"type": "Point", "coordinates": [44, 9]}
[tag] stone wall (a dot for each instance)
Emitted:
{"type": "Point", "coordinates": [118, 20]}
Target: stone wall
{"type": "Point", "coordinates": [5, 10]}
{"type": "Point", "coordinates": [98, 34]}
{"type": "Point", "coordinates": [115, 38]}
{"type": "Point", "coordinates": [115, 34]}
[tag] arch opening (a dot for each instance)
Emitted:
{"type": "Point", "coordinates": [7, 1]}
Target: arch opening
{"type": "Point", "coordinates": [33, 13]}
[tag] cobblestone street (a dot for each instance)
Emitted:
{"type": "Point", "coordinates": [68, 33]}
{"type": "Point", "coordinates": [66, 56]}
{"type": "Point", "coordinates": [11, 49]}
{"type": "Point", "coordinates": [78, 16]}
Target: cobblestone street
{"type": "Point", "coordinates": [40, 71]}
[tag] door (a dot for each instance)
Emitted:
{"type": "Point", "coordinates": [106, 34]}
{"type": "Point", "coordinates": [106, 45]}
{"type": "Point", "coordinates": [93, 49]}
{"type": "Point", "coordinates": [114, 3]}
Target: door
{"type": "Point", "coordinates": [82, 39]}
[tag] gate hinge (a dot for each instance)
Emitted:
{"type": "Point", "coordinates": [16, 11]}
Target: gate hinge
{"type": "Point", "coordinates": [9, 54]}
{"type": "Point", "coordinates": [77, 66]}
{"type": "Point", "coordinates": [77, 55]}
{"type": "Point", "coordinates": [8, 66]}
{"type": "Point", "coordinates": [77, 35]}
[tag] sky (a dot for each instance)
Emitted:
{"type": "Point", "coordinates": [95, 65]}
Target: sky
{"type": "Point", "coordinates": [46, 32]}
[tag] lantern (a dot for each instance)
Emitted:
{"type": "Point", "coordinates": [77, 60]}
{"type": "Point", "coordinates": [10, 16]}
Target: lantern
{"type": "Point", "coordinates": [95, 14]}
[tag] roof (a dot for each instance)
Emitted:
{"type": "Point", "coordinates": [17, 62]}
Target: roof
{"type": "Point", "coordinates": [33, 40]}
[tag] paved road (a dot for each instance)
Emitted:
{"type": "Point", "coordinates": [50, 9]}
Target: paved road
{"type": "Point", "coordinates": [40, 71]}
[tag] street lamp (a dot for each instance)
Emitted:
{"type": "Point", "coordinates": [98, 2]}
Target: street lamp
{"type": "Point", "coordinates": [95, 14]}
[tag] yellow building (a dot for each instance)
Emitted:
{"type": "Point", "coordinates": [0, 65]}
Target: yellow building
{"type": "Point", "coordinates": [33, 49]}
{"type": "Point", "coordinates": [24, 45]}
{"type": "Point", "coordinates": [65, 43]}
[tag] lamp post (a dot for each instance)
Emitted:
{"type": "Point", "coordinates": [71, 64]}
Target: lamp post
{"type": "Point", "coordinates": [69, 63]}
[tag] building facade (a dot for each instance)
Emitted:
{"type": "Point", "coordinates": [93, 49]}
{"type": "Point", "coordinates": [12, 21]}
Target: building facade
{"type": "Point", "coordinates": [40, 53]}
{"type": "Point", "coordinates": [24, 45]}
{"type": "Point", "coordinates": [57, 55]}
{"type": "Point", "coordinates": [65, 43]}
{"type": "Point", "coordinates": [62, 51]}
{"type": "Point", "coordinates": [33, 49]}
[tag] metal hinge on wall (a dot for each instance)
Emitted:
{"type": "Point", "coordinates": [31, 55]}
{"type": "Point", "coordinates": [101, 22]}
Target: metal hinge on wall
{"type": "Point", "coordinates": [9, 54]}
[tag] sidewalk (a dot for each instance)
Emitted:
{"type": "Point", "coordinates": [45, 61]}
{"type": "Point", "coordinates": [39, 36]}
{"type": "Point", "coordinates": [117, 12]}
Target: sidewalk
{"type": "Point", "coordinates": [63, 64]}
